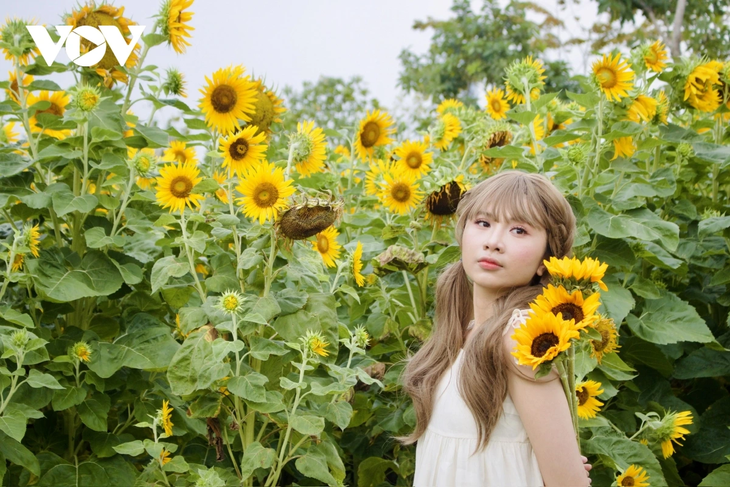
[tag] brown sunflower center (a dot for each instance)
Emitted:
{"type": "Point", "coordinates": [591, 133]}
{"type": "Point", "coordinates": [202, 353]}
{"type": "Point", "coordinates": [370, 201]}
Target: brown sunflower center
{"type": "Point", "coordinates": [627, 482]}
{"type": "Point", "coordinates": [223, 98]}
{"type": "Point", "coordinates": [238, 149]}
{"type": "Point", "coordinates": [95, 19]}
{"type": "Point", "coordinates": [401, 192]}
{"type": "Point", "coordinates": [179, 155]}
{"type": "Point", "coordinates": [414, 160]}
{"type": "Point", "coordinates": [54, 109]}
{"type": "Point", "coordinates": [607, 77]}
{"type": "Point", "coordinates": [323, 245]}
{"type": "Point", "coordinates": [370, 134]}
{"type": "Point", "coordinates": [181, 186]}
{"type": "Point", "coordinates": [605, 339]}
{"type": "Point", "coordinates": [583, 395]}
{"type": "Point", "coordinates": [570, 312]}
{"type": "Point", "coordinates": [266, 195]}
{"type": "Point", "coordinates": [542, 343]}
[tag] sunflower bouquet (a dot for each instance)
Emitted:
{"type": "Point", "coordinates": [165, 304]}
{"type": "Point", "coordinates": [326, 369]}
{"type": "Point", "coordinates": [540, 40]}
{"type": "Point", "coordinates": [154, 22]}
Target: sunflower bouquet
{"type": "Point", "coordinates": [561, 317]}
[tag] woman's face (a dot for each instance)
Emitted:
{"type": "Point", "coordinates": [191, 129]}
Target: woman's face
{"type": "Point", "coordinates": [517, 247]}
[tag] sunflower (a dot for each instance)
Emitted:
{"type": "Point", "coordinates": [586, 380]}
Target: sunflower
{"type": "Point", "coordinates": [173, 23]}
{"type": "Point", "coordinates": [609, 338]}
{"type": "Point", "coordinates": [228, 97]}
{"type": "Point", "coordinates": [572, 305]}
{"type": "Point", "coordinates": [613, 76]}
{"type": "Point", "coordinates": [268, 108]}
{"type": "Point", "coordinates": [587, 393]}
{"type": "Point", "coordinates": [174, 83]}
{"type": "Point", "coordinates": [642, 109]}
{"type": "Point", "coordinates": [81, 352]}
{"type": "Point", "coordinates": [18, 262]}
{"type": "Point", "coordinates": [145, 183]}
{"type": "Point", "coordinates": [309, 153]}
{"type": "Point", "coordinates": [143, 160]}
{"type": "Point", "coordinates": [165, 457]}
{"type": "Point", "coordinates": [654, 57]}
{"type": "Point", "coordinates": [327, 246]}
{"type": "Point", "coordinates": [570, 267]}
{"type": "Point", "coordinates": [442, 203]}
{"type": "Point", "coordinates": [538, 127]}
{"type": "Point", "coordinates": [13, 91]}
{"type": "Point", "coordinates": [497, 105]}
{"type": "Point", "coordinates": [309, 217]}
{"type": "Point", "coordinates": [243, 150]}
{"type": "Point", "coordinates": [414, 160]}
{"type": "Point", "coordinates": [400, 193]}
{"type": "Point", "coordinates": [518, 98]}
{"type": "Point", "coordinates": [699, 89]}
{"type": "Point", "coordinates": [499, 136]}
{"type": "Point", "coordinates": [180, 153]}
{"type": "Point", "coordinates": [58, 100]}
{"type": "Point", "coordinates": [374, 176]}
{"type": "Point", "coordinates": [264, 190]}
{"type": "Point", "coordinates": [541, 338]}
{"type": "Point", "coordinates": [672, 430]}
{"type": "Point", "coordinates": [165, 417]}
{"type": "Point", "coordinates": [634, 476]}
{"type": "Point", "coordinates": [357, 265]}
{"type": "Point", "coordinates": [343, 151]}
{"type": "Point", "coordinates": [662, 109]}
{"type": "Point", "coordinates": [175, 186]}
{"type": "Point", "coordinates": [33, 239]}
{"type": "Point", "coordinates": [315, 342]}
{"type": "Point", "coordinates": [7, 135]}
{"type": "Point", "coordinates": [221, 193]}
{"type": "Point", "coordinates": [448, 128]}
{"type": "Point", "coordinates": [374, 130]}
{"type": "Point", "coordinates": [448, 104]}
{"type": "Point", "coordinates": [15, 33]}
{"type": "Point", "coordinates": [623, 147]}
{"type": "Point", "coordinates": [230, 302]}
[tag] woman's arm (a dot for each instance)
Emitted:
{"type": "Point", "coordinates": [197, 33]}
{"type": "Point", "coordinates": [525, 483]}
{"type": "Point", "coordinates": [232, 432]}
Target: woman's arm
{"type": "Point", "coordinates": [544, 411]}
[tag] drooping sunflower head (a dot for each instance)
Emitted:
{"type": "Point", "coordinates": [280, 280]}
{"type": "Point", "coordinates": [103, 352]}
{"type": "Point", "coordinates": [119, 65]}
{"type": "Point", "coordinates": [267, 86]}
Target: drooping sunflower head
{"type": "Point", "coordinates": [178, 151]}
{"type": "Point", "coordinates": [18, 45]}
{"type": "Point", "coordinates": [623, 147]}
{"type": "Point", "coordinates": [448, 105]}
{"type": "Point", "coordinates": [497, 135]}
{"type": "Point", "coordinates": [654, 56]}
{"type": "Point", "coordinates": [413, 159]}
{"type": "Point", "coordinates": [174, 83]}
{"type": "Point", "coordinates": [230, 302]}
{"type": "Point", "coordinates": [18, 261]}
{"type": "Point", "coordinates": [327, 246]}
{"type": "Point", "coordinates": [673, 429]}
{"type": "Point", "coordinates": [58, 100]}
{"type": "Point", "coordinates": [573, 306]}
{"type": "Point", "coordinates": [31, 238]}
{"type": "Point", "coordinates": [243, 150]}
{"type": "Point", "coordinates": [175, 186]}
{"type": "Point", "coordinates": [609, 338]}
{"type": "Point", "coordinates": [13, 91]}
{"type": "Point", "coordinates": [374, 131]}
{"type": "Point", "coordinates": [642, 109]}
{"type": "Point", "coordinates": [269, 108]}
{"type": "Point", "coordinates": [309, 217]}
{"type": "Point", "coordinates": [264, 191]}
{"type": "Point", "coordinates": [634, 476]}
{"type": "Point", "coordinates": [497, 104]}
{"type": "Point", "coordinates": [525, 76]}
{"type": "Point", "coordinates": [542, 338]}
{"type": "Point", "coordinates": [172, 21]}
{"type": "Point", "coordinates": [588, 404]}
{"type": "Point", "coordinates": [357, 265]}
{"type": "Point", "coordinates": [613, 76]}
{"type": "Point", "coordinates": [701, 87]}
{"type": "Point", "coordinates": [308, 148]}
{"type": "Point", "coordinates": [400, 193]}
{"type": "Point", "coordinates": [228, 97]}
{"type": "Point", "coordinates": [442, 203]}
{"type": "Point", "coordinates": [446, 130]}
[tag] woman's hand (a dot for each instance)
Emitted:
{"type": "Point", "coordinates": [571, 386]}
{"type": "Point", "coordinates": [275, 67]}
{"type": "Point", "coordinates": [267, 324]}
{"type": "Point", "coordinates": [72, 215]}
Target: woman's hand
{"type": "Point", "coordinates": [588, 467]}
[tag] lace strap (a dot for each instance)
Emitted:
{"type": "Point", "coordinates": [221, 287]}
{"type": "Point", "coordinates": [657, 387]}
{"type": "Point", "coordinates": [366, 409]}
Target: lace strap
{"type": "Point", "coordinates": [518, 318]}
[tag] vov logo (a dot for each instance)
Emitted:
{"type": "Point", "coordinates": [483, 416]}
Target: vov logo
{"type": "Point", "coordinates": [102, 36]}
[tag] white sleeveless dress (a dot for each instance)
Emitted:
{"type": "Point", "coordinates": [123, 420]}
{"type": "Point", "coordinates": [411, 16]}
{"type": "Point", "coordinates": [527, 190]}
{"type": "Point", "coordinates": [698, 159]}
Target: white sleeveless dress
{"type": "Point", "coordinates": [443, 452]}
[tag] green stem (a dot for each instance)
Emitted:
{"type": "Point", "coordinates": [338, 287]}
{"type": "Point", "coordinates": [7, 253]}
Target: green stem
{"type": "Point", "coordinates": [85, 129]}
{"type": "Point", "coordinates": [133, 77]}
{"type": "Point", "coordinates": [125, 200]}
{"type": "Point", "coordinates": [573, 396]}
{"type": "Point", "coordinates": [289, 160]}
{"type": "Point", "coordinates": [236, 238]}
{"type": "Point", "coordinates": [230, 452]}
{"type": "Point", "coordinates": [269, 272]}
{"type": "Point", "coordinates": [188, 252]}
{"type": "Point", "coordinates": [410, 294]}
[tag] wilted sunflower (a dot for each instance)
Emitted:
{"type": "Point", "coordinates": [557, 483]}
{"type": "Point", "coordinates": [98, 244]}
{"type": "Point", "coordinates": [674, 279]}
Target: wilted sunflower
{"type": "Point", "coordinates": [327, 246]}
{"type": "Point", "coordinates": [642, 109]}
{"type": "Point", "coordinates": [221, 193]}
{"type": "Point", "coordinates": [672, 430]}
{"type": "Point", "coordinates": [175, 186]}
{"type": "Point", "coordinates": [497, 104]}
{"type": "Point", "coordinates": [165, 417]}
{"type": "Point", "coordinates": [58, 100]}
{"type": "Point", "coordinates": [442, 203]}
{"type": "Point", "coordinates": [243, 150]}
{"type": "Point", "coordinates": [634, 476]}
{"type": "Point", "coordinates": [228, 97]}
{"type": "Point", "coordinates": [499, 135]}
{"type": "Point", "coordinates": [309, 149]}
{"type": "Point", "coordinates": [309, 217]}
{"type": "Point", "coordinates": [570, 267]}
{"type": "Point", "coordinates": [654, 57]}
{"type": "Point", "coordinates": [357, 265]}
{"type": "Point", "coordinates": [587, 393]}
{"type": "Point", "coordinates": [15, 33]}
{"type": "Point", "coordinates": [609, 338]}
{"type": "Point", "coordinates": [448, 104]}
{"type": "Point", "coordinates": [179, 152]}
{"type": "Point", "coordinates": [375, 130]}
{"type": "Point", "coordinates": [269, 108]}
{"type": "Point", "coordinates": [541, 338]}
{"type": "Point", "coordinates": [699, 89]}
{"type": "Point", "coordinates": [623, 147]}
{"type": "Point", "coordinates": [173, 23]}
{"type": "Point", "coordinates": [109, 15]}
{"type": "Point", "coordinates": [572, 305]}
{"type": "Point", "coordinates": [14, 90]}
{"type": "Point", "coordinates": [413, 160]}
{"type": "Point", "coordinates": [264, 191]}
{"type": "Point", "coordinates": [447, 129]}
{"type": "Point", "coordinates": [400, 193]}
{"type": "Point", "coordinates": [613, 76]}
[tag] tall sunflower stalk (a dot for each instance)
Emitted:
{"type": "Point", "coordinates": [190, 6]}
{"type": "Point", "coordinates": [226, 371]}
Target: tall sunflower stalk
{"type": "Point", "coordinates": [563, 315]}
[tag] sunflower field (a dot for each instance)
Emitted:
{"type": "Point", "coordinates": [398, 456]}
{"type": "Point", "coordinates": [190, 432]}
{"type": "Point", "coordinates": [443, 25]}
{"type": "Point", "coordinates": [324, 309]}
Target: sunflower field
{"type": "Point", "coordinates": [223, 301]}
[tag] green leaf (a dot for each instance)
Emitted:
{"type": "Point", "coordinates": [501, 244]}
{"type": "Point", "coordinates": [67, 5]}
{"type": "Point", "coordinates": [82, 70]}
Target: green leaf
{"type": "Point", "coordinates": [165, 268]}
{"type": "Point", "coordinates": [720, 477]}
{"type": "Point", "coordinates": [588, 100]}
{"type": "Point", "coordinates": [523, 117]}
{"type": "Point", "coordinates": [16, 453]}
{"type": "Point", "coordinates": [622, 452]}
{"type": "Point", "coordinates": [669, 320]}
{"type": "Point", "coordinates": [194, 366]}
{"type": "Point", "coordinates": [712, 225]}
{"type": "Point", "coordinates": [132, 448]}
{"type": "Point", "coordinates": [176, 464]}
{"type": "Point", "coordinates": [12, 422]}
{"type": "Point", "coordinates": [12, 164]}
{"type": "Point", "coordinates": [153, 39]}
{"type": "Point", "coordinates": [249, 386]}
{"type": "Point", "coordinates": [313, 464]}
{"type": "Point", "coordinates": [93, 411]}
{"type": "Point", "coordinates": [154, 136]}
{"type": "Point", "coordinates": [107, 472]}
{"type": "Point", "coordinates": [262, 348]}
{"type": "Point", "coordinates": [256, 456]}
{"type": "Point", "coordinates": [64, 203]}
{"type": "Point", "coordinates": [307, 424]}
{"type": "Point", "coordinates": [371, 471]}
{"type": "Point", "coordinates": [705, 362]}
{"type": "Point", "coordinates": [623, 129]}
{"type": "Point", "coordinates": [339, 413]}
{"type": "Point", "coordinates": [68, 398]}
{"type": "Point", "coordinates": [711, 444]}
{"type": "Point", "coordinates": [96, 238]}
{"type": "Point", "coordinates": [16, 317]}
{"type": "Point", "coordinates": [38, 379]}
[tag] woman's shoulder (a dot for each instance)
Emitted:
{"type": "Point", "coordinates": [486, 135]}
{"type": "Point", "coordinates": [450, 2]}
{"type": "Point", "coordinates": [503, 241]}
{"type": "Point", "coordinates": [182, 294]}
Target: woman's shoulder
{"type": "Point", "coordinates": [519, 317]}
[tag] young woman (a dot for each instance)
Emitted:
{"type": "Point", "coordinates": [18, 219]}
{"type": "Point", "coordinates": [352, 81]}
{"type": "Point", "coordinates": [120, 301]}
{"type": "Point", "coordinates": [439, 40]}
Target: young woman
{"type": "Point", "coordinates": [483, 420]}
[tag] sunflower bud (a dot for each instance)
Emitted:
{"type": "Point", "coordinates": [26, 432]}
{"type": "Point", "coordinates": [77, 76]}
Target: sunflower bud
{"type": "Point", "coordinates": [300, 145]}
{"type": "Point", "coordinates": [362, 338]}
{"type": "Point", "coordinates": [18, 42]}
{"type": "Point", "coordinates": [19, 338]}
{"type": "Point", "coordinates": [80, 352]}
{"type": "Point", "coordinates": [86, 98]}
{"type": "Point", "coordinates": [143, 162]}
{"type": "Point", "coordinates": [174, 83]}
{"type": "Point", "coordinates": [526, 75]}
{"type": "Point", "coordinates": [578, 154]}
{"type": "Point", "coordinates": [685, 150]}
{"type": "Point", "coordinates": [315, 342]}
{"type": "Point", "coordinates": [231, 302]}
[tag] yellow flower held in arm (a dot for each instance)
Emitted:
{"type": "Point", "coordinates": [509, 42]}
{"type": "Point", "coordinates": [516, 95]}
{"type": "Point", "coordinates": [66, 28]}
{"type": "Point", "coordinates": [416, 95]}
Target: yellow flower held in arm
{"type": "Point", "coordinates": [264, 191]}
{"type": "Point", "coordinates": [634, 476]}
{"type": "Point", "coordinates": [613, 76]}
{"type": "Point", "coordinates": [243, 150]}
{"type": "Point", "coordinates": [587, 393]}
{"type": "Point", "coordinates": [609, 338]}
{"type": "Point", "coordinates": [175, 187]}
{"type": "Point", "coordinates": [497, 105]}
{"type": "Point", "coordinates": [573, 306]}
{"type": "Point", "coordinates": [542, 338]}
{"type": "Point", "coordinates": [228, 97]}
{"type": "Point", "coordinates": [327, 246]}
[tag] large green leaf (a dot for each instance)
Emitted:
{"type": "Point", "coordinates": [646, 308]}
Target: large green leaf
{"type": "Point", "coordinates": [256, 456]}
{"type": "Point", "coordinates": [711, 444]}
{"type": "Point", "coordinates": [308, 424]}
{"type": "Point", "coordinates": [93, 411]}
{"type": "Point", "coordinates": [108, 472]}
{"type": "Point", "coordinates": [720, 477]}
{"type": "Point", "coordinates": [194, 366]}
{"type": "Point", "coordinates": [249, 386]}
{"type": "Point", "coordinates": [705, 362]}
{"type": "Point", "coordinates": [313, 464]}
{"type": "Point", "coordinates": [669, 320]}
{"type": "Point", "coordinates": [11, 164]}
{"type": "Point", "coordinates": [16, 453]}
{"type": "Point", "coordinates": [371, 471]}
{"type": "Point", "coordinates": [165, 268]}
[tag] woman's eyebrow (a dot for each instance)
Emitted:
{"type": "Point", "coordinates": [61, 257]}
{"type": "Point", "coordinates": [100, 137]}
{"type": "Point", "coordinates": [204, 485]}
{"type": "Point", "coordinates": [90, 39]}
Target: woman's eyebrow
{"type": "Point", "coordinates": [491, 216]}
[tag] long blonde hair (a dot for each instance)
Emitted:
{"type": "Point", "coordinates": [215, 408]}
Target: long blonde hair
{"type": "Point", "coordinates": [530, 198]}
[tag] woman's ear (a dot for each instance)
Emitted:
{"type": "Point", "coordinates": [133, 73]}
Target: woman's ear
{"type": "Point", "coordinates": [541, 270]}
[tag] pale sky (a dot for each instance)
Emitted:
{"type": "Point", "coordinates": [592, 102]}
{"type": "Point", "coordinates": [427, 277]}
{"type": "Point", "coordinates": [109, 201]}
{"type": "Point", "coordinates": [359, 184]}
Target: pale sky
{"type": "Point", "coordinates": [290, 41]}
